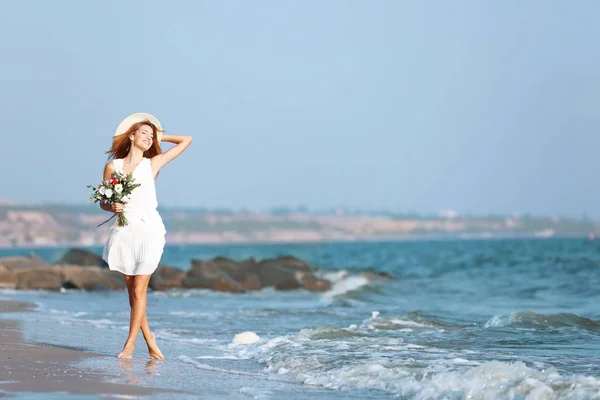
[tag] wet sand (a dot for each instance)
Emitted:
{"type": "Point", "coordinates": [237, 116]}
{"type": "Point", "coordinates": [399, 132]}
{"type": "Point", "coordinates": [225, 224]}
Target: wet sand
{"type": "Point", "coordinates": [33, 367]}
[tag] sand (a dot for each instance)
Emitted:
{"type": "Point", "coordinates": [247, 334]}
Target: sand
{"type": "Point", "coordinates": [31, 367]}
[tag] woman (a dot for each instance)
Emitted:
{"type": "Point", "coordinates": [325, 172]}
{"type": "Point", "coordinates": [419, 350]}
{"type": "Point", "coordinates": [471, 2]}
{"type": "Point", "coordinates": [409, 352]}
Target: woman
{"type": "Point", "coordinates": [135, 249]}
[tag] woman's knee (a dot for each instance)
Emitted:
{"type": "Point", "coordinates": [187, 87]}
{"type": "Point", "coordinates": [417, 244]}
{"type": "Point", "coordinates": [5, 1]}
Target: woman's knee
{"type": "Point", "coordinates": [139, 291]}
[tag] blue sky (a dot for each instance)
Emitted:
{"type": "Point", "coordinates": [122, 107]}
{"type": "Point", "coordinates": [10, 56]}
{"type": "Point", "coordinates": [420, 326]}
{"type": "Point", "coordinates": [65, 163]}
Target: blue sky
{"type": "Point", "coordinates": [468, 105]}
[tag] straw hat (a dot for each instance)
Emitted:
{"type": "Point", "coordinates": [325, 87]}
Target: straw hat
{"type": "Point", "coordinates": [134, 119]}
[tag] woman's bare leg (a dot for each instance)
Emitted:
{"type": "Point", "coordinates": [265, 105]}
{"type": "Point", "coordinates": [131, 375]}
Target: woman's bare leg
{"type": "Point", "coordinates": [145, 327]}
{"type": "Point", "coordinates": [149, 337]}
{"type": "Point", "coordinates": [138, 310]}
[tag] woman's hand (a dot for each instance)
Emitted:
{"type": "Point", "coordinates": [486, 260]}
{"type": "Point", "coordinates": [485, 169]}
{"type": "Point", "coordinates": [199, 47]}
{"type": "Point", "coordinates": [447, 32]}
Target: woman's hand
{"type": "Point", "coordinates": [117, 207]}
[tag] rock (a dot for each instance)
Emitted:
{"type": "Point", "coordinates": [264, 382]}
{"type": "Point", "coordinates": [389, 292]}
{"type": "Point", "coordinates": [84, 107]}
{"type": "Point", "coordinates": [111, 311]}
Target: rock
{"type": "Point", "coordinates": [83, 258]}
{"type": "Point", "coordinates": [89, 278]}
{"type": "Point", "coordinates": [226, 284]}
{"type": "Point", "coordinates": [317, 285]}
{"type": "Point", "coordinates": [287, 284]}
{"type": "Point", "coordinates": [37, 278]}
{"type": "Point", "coordinates": [203, 274]}
{"type": "Point", "coordinates": [69, 285]}
{"type": "Point", "coordinates": [204, 269]}
{"type": "Point", "coordinates": [225, 274]}
{"type": "Point", "coordinates": [235, 270]}
{"type": "Point", "coordinates": [115, 279]}
{"type": "Point", "coordinates": [165, 278]}
{"type": "Point", "coordinates": [157, 283]}
{"type": "Point", "coordinates": [293, 263]}
{"type": "Point", "coordinates": [271, 273]}
{"type": "Point", "coordinates": [197, 282]}
{"type": "Point", "coordinates": [385, 275]}
{"type": "Point", "coordinates": [376, 276]}
{"type": "Point", "coordinates": [8, 278]}
{"type": "Point", "coordinates": [18, 262]}
{"type": "Point", "coordinates": [252, 282]}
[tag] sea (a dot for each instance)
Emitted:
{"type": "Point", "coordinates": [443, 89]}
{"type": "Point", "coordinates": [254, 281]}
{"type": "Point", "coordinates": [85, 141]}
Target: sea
{"type": "Point", "coordinates": [460, 319]}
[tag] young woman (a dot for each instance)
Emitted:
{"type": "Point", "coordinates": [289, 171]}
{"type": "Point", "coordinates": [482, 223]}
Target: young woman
{"type": "Point", "coordinates": [135, 249]}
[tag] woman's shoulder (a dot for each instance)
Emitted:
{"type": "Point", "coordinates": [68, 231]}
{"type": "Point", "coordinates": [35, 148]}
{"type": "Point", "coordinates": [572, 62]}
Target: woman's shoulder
{"type": "Point", "coordinates": [114, 164]}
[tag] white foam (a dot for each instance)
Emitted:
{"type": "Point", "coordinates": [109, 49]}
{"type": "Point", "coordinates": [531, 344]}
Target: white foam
{"type": "Point", "coordinates": [207, 367]}
{"type": "Point", "coordinates": [80, 314]}
{"type": "Point", "coordinates": [217, 358]}
{"type": "Point", "coordinates": [346, 285]}
{"type": "Point", "coordinates": [256, 393]}
{"type": "Point", "coordinates": [334, 276]}
{"type": "Point", "coordinates": [494, 322]}
{"type": "Point", "coordinates": [246, 338]}
{"type": "Point", "coordinates": [193, 314]}
{"type": "Point", "coordinates": [405, 322]}
{"type": "Point", "coordinates": [419, 372]}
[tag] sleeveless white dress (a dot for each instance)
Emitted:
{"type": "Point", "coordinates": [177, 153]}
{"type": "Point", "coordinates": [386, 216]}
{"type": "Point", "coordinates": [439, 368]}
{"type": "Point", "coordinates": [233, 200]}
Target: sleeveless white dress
{"type": "Point", "coordinates": [136, 249]}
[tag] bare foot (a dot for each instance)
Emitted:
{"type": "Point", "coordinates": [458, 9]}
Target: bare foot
{"type": "Point", "coordinates": [153, 349]}
{"type": "Point", "coordinates": [127, 352]}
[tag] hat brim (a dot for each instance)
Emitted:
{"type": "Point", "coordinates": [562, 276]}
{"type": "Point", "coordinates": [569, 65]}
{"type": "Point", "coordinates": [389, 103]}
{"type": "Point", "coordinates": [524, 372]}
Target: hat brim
{"type": "Point", "coordinates": [134, 119]}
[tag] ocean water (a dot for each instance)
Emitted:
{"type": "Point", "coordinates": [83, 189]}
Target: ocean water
{"type": "Point", "coordinates": [480, 319]}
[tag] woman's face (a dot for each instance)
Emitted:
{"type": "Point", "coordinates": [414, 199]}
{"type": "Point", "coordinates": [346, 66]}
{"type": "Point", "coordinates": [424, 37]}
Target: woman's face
{"type": "Point", "coordinates": [143, 137]}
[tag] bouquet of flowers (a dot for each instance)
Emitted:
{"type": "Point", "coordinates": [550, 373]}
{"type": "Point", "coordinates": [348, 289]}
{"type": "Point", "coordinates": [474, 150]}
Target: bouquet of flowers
{"type": "Point", "coordinates": [116, 189]}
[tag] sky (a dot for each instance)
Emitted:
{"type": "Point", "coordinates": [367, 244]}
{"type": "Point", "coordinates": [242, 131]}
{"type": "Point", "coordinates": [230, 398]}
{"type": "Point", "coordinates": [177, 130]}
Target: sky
{"type": "Point", "coordinates": [479, 107]}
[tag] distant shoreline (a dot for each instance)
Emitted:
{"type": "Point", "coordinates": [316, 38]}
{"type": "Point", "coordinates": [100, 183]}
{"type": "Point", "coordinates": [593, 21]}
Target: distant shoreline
{"type": "Point", "coordinates": [373, 239]}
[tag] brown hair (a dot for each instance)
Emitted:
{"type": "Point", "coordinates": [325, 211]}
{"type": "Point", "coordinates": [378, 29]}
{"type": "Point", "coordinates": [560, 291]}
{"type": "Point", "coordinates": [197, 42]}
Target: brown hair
{"type": "Point", "coordinates": [121, 144]}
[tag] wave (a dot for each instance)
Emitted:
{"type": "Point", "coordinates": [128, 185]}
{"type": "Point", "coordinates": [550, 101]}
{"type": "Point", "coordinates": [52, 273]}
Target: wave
{"type": "Point", "coordinates": [352, 359]}
{"type": "Point", "coordinates": [406, 323]}
{"type": "Point", "coordinates": [532, 320]}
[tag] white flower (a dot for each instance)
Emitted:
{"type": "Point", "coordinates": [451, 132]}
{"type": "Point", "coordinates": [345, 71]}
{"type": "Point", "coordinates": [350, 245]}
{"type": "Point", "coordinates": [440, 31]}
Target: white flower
{"type": "Point", "coordinates": [125, 199]}
{"type": "Point", "coordinates": [108, 193]}
{"type": "Point", "coordinates": [118, 188]}
{"type": "Point", "coordinates": [102, 190]}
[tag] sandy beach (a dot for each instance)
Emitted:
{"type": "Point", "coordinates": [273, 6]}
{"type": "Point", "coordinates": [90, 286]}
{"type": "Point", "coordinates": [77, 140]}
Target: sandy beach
{"type": "Point", "coordinates": [34, 367]}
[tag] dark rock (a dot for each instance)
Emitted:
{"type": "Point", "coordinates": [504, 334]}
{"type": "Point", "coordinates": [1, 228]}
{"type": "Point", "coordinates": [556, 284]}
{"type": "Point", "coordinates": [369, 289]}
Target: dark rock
{"type": "Point", "coordinates": [271, 273]}
{"type": "Point", "coordinates": [287, 284]}
{"type": "Point", "coordinates": [226, 284]}
{"type": "Point", "coordinates": [14, 263]}
{"type": "Point", "coordinates": [236, 270]}
{"type": "Point", "coordinates": [90, 278]}
{"type": "Point", "coordinates": [83, 258]}
{"type": "Point", "coordinates": [385, 275]}
{"type": "Point", "coordinates": [293, 263]}
{"type": "Point", "coordinates": [157, 283]}
{"type": "Point", "coordinates": [376, 276]}
{"type": "Point", "coordinates": [114, 279]}
{"type": "Point", "coordinates": [252, 282]}
{"type": "Point", "coordinates": [204, 269]}
{"type": "Point", "coordinates": [165, 278]}
{"type": "Point", "coordinates": [69, 285]}
{"type": "Point", "coordinates": [37, 278]}
{"type": "Point", "coordinates": [317, 285]}
{"type": "Point", "coordinates": [198, 282]}
{"type": "Point", "coordinates": [8, 278]}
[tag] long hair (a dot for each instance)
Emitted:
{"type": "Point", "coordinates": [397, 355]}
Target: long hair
{"type": "Point", "coordinates": [121, 144]}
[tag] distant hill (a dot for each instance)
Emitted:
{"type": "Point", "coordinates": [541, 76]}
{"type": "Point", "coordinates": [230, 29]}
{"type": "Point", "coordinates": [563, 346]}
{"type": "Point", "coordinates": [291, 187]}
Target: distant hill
{"type": "Point", "coordinates": [55, 224]}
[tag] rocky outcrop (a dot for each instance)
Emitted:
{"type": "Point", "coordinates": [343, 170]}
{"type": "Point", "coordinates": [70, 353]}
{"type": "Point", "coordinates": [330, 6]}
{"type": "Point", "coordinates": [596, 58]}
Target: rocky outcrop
{"type": "Point", "coordinates": [39, 279]}
{"type": "Point", "coordinates": [165, 278]}
{"type": "Point", "coordinates": [82, 258]}
{"type": "Point", "coordinates": [18, 262]}
{"type": "Point", "coordinates": [281, 273]}
{"type": "Point", "coordinates": [83, 270]}
{"type": "Point", "coordinates": [8, 278]}
{"type": "Point", "coordinates": [91, 278]}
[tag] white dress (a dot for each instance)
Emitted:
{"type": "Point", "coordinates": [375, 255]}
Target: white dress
{"type": "Point", "coordinates": [136, 249]}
